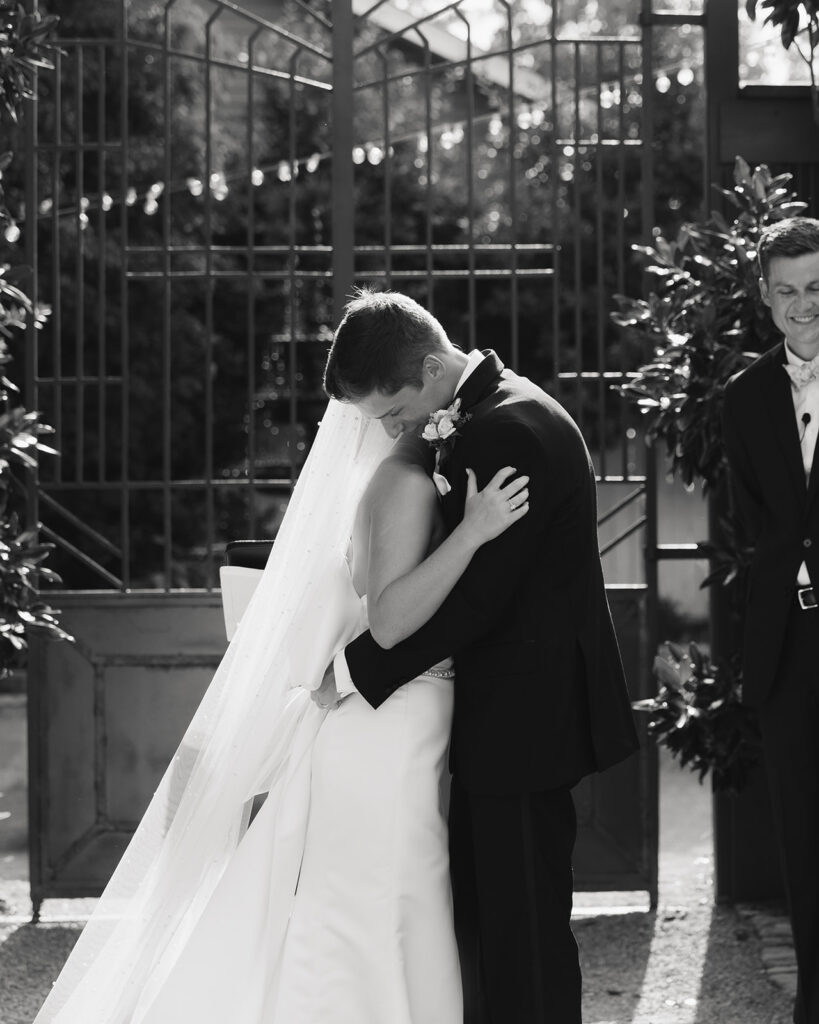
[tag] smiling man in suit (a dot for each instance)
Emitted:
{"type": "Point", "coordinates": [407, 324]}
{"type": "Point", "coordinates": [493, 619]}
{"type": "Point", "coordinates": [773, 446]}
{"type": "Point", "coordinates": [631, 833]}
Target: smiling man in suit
{"type": "Point", "coordinates": [540, 698]}
{"type": "Point", "coordinates": [770, 423]}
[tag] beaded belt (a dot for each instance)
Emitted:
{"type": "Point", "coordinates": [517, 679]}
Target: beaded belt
{"type": "Point", "coordinates": [443, 673]}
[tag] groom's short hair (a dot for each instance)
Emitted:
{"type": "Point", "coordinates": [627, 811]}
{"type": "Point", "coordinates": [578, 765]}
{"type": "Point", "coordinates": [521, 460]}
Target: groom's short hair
{"type": "Point", "coordinates": [380, 345]}
{"type": "Point", "coordinates": [794, 236]}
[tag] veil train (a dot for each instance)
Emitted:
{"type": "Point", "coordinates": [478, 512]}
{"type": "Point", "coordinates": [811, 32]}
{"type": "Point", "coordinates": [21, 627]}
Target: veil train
{"type": "Point", "coordinates": [239, 743]}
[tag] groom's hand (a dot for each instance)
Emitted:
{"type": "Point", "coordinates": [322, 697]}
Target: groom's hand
{"type": "Point", "coordinates": [327, 696]}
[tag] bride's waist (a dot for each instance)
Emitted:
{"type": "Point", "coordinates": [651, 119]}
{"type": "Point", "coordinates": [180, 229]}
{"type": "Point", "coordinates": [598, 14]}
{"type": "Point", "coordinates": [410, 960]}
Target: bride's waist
{"type": "Point", "coordinates": [441, 670]}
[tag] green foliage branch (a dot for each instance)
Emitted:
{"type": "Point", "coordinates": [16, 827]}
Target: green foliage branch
{"type": "Point", "coordinates": [703, 320]}
{"type": "Point", "coordinates": [24, 47]}
{"type": "Point", "coordinates": [698, 715]}
{"type": "Point", "coordinates": [788, 15]}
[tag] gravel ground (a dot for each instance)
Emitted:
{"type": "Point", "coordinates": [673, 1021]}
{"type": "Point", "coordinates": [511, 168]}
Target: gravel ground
{"type": "Point", "coordinates": [688, 962]}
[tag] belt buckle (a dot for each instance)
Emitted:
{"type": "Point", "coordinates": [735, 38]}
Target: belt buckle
{"type": "Point", "coordinates": [807, 598]}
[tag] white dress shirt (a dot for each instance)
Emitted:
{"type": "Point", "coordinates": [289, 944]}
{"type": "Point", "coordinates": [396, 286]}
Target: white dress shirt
{"type": "Point", "coordinates": [805, 401]}
{"type": "Point", "coordinates": [344, 681]}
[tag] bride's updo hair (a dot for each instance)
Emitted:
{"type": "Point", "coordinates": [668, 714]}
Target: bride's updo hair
{"type": "Point", "coordinates": [380, 345]}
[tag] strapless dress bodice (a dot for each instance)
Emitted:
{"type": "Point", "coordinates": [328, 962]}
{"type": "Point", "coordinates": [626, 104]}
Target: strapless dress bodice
{"type": "Point", "coordinates": [441, 670]}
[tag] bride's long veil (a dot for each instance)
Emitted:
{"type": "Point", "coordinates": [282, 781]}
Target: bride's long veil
{"type": "Point", "coordinates": [235, 746]}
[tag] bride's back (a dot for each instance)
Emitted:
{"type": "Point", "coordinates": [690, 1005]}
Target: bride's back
{"type": "Point", "coordinates": [405, 475]}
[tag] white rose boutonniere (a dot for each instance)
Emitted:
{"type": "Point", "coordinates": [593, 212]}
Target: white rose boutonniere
{"type": "Point", "coordinates": [441, 432]}
{"type": "Point", "coordinates": [442, 428]}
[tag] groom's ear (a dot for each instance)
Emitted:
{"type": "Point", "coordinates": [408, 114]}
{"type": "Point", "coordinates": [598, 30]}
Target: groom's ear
{"type": "Point", "coordinates": [433, 367]}
{"type": "Point", "coordinates": [763, 291]}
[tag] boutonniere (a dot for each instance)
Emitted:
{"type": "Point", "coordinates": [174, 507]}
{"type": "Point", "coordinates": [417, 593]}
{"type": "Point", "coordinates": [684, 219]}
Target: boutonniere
{"type": "Point", "coordinates": [441, 432]}
{"type": "Point", "coordinates": [442, 428]}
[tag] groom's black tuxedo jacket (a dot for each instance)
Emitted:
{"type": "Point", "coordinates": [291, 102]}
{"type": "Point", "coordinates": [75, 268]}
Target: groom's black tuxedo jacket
{"type": "Point", "coordinates": [779, 510]}
{"type": "Point", "coordinates": [540, 697]}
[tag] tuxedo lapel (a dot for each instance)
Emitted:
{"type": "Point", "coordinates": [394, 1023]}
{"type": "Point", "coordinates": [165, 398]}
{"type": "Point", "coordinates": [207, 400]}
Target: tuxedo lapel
{"type": "Point", "coordinates": [813, 485]}
{"type": "Point", "coordinates": [783, 419]}
{"type": "Point", "coordinates": [476, 386]}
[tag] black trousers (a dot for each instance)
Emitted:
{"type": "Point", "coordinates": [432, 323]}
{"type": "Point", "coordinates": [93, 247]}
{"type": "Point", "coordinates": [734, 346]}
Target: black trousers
{"type": "Point", "coordinates": [512, 888]}
{"type": "Point", "coordinates": [789, 720]}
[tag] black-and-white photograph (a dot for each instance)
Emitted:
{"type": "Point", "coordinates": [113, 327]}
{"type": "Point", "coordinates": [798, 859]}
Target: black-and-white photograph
{"type": "Point", "coordinates": [409, 545]}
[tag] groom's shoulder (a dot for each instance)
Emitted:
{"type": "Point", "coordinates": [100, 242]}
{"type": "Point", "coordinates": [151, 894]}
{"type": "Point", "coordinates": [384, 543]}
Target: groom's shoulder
{"type": "Point", "coordinates": [756, 374]}
{"type": "Point", "coordinates": [525, 398]}
{"type": "Point", "coordinates": [522, 413]}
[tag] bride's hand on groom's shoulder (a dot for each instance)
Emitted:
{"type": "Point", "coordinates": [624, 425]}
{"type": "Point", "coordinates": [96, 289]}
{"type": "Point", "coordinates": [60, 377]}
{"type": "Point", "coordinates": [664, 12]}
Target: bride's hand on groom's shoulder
{"type": "Point", "coordinates": [491, 511]}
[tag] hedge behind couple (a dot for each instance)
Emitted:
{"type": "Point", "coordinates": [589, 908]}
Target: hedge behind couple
{"type": "Point", "coordinates": [440, 553]}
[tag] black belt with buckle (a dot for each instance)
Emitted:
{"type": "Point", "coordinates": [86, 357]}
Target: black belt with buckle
{"type": "Point", "coordinates": [806, 596]}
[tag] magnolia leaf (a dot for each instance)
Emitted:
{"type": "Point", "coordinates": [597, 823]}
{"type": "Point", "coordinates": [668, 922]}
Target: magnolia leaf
{"type": "Point", "coordinates": [26, 459]}
{"type": "Point", "coordinates": [647, 704]}
{"type": "Point", "coordinates": [61, 634]}
{"type": "Point", "coordinates": [677, 652]}
{"type": "Point", "coordinates": [667, 673]}
{"type": "Point", "coordinates": [790, 27]}
{"type": "Point", "coordinates": [742, 170]}
{"type": "Point", "coordinates": [697, 660]}
{"type": "Point", "coordinates": [682, 720]}
{"type": "Point", "coordinates": [48, 574]}
{"type": "Point", "coordinates": [792, 209]}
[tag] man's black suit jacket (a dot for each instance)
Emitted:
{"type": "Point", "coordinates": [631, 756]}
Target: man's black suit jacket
{"type": "Point", "coordinates": [540, 696]}
{"type": "Point", "coordinates": [778, 509]}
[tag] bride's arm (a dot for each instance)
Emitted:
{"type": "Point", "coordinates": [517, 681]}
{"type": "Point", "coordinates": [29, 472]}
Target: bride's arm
{"type": "Point", "coordinates": [405, 585]}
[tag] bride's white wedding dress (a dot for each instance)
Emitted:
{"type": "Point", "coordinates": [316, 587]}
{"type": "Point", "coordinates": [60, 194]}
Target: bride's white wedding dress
{"type": "Point", "coordinates": [367, 937]}
{"type": "Point", "coordinates": [334, 906]}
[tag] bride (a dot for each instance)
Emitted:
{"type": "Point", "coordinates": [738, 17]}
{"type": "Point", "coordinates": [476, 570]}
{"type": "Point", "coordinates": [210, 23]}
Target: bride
{"type": "Point", "coordinates": [334, 905]}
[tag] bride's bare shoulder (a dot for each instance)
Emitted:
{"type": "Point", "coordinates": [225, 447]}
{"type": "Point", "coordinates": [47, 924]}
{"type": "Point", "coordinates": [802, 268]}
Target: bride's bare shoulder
{"type": "Point", "coordinates": [405, 474]}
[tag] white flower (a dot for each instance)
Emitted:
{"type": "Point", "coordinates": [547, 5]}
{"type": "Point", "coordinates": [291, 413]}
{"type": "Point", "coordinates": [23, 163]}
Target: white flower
{"type": "Point", "coordinates": [443, 424]}
{"type": "Point", "coordinates": [445, 427]}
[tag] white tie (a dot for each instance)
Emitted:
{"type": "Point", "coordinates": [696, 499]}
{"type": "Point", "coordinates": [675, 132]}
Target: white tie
{"type": "Point", "coordinates": [804, 373]}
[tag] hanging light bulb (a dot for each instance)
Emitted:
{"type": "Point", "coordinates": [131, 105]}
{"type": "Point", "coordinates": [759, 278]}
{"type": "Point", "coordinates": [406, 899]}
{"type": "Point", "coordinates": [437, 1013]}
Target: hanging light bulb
{"type": "Point", "coordinates": [219, 186]}
{"type": "Point", "coordinates": [256, 177]}
{"type": "Point", "coordinates": [130, 196]}
{"type": "Point", "coordinates": [313, 163]}
{"type": "Point", "coordinates": [106, 202]}
{"type": "Point", "coordinates": [12, 233]}
{"type": "Point", "coordinates": [195, 186]}
{"type": "Point", "coordinates": [150, 205]}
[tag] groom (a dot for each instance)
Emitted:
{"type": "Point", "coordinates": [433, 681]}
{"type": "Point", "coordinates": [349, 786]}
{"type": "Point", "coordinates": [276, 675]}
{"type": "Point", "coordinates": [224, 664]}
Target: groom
{"type": "Point", "coordinates": [540, 698]}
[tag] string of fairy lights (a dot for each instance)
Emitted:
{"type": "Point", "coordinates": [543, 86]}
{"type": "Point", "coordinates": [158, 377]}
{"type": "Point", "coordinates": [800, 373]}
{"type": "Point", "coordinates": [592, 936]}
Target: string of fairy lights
{"type": "Point", "coordinates": [609, 95]}
{"type": "Point", "coordinates": [446, 136]}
